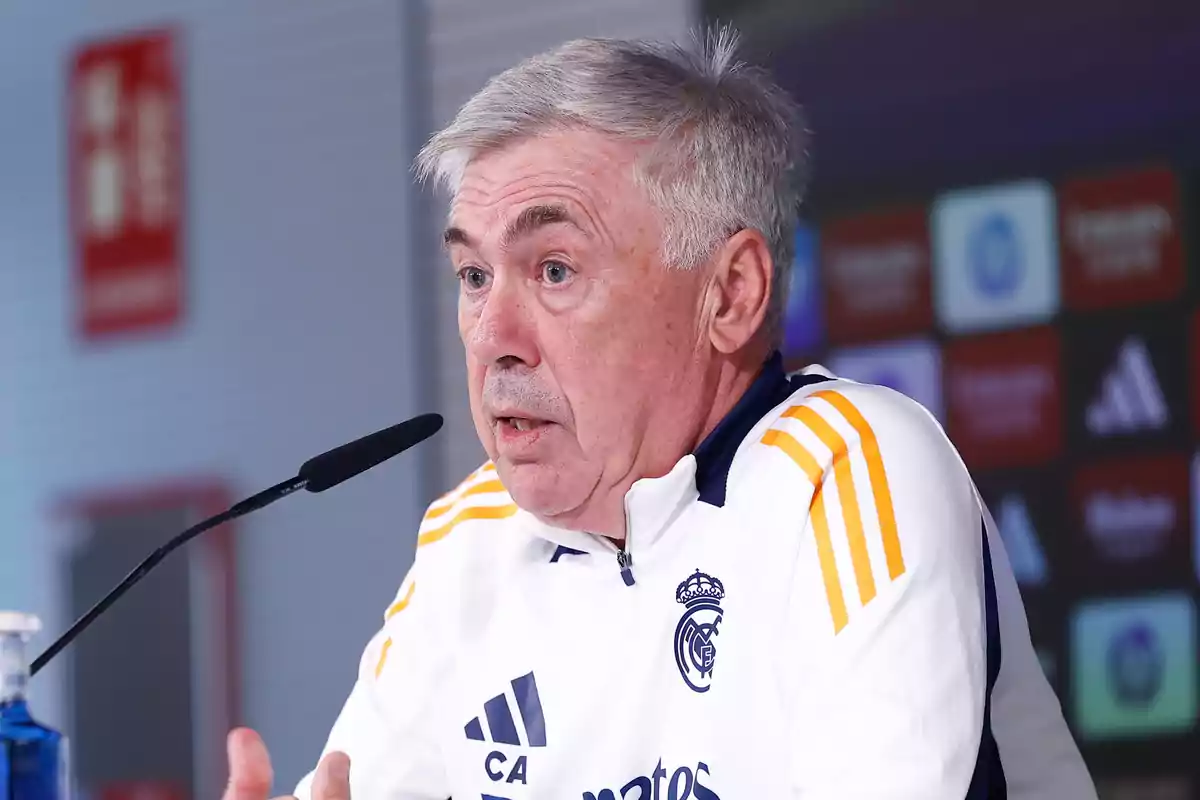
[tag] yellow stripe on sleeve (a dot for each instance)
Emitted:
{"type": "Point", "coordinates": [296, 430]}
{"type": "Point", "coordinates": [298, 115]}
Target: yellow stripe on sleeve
{"type": "Point", "coordinates": [484, 487]}
{"type": "Point", "coordinates": [879, 483]}
{"type": "Point", "coordinates": [829, 573]}
{"type": "Point", "coordinates": [833, 587]}
{"type": "Point", "coordinates": [846, 494]}
{"type": "Point", "coordinates": [402, 603]}
{"type": "Point", "coordinates": [472, 512]}
{"type": "Point", "coordinates": [383, 654]}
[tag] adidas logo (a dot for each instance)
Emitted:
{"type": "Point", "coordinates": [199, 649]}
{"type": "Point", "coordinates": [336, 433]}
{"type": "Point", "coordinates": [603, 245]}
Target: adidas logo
{"type": "Point", "coordinates": [1021, 542]}
{"type": "Point", "coordinates": [501, 727]}
{"type": "Point", "coordinates": [1130, 398]}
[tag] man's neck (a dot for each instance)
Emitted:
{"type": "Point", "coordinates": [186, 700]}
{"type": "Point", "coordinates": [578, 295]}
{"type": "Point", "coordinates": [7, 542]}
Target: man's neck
{"type": "Point", "coordinates": [727, 382]}
{"type": "Point", "coordinates": [732, 382]}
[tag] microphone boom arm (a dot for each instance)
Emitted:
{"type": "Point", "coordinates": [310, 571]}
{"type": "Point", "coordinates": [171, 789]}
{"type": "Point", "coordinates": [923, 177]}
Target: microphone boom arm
{"type": "Point", "coordinates": [316, 475]}
{"type": "Point", "coordinates": [253, 503]}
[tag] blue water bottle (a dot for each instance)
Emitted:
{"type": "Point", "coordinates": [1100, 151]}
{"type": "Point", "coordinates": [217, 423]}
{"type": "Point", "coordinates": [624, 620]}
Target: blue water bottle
{"type": "Point", "coordinates": [33, 757]}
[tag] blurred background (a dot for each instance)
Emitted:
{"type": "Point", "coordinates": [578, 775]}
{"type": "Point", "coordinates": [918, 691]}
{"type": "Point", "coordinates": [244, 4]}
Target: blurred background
{"type": "Point", "coordinates": [214, 264]}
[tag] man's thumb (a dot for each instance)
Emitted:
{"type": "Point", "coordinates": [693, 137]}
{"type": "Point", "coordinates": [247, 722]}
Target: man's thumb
{"type": "Point", "coordinates": [250, 773]}
{"type": "Point", "coordinates": [332, 781]}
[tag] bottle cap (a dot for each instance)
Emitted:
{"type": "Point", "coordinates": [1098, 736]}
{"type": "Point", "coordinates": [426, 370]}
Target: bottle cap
{"type": "Point", "coordinates": [19, 622]}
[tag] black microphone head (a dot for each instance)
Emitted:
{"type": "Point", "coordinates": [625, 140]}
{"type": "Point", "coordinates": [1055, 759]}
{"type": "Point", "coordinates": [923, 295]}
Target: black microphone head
{"type": "Point", "coordinates": [342, 463]}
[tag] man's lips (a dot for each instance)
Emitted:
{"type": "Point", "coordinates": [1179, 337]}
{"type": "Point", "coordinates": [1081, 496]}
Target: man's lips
{"type": "Point", "coordinates": [521, 424]}
{"type": "Point", "coordinates": [517, 418]}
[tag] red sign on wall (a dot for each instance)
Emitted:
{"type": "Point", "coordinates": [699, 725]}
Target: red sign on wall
{"type": "Point", "coordinates": [875, 269]}
{"type": "Point", "coordinates": [1120, 239]}
{"type": "Point", "coordinates": [1004, 398]}
{"type": "Point", "coordinates": [125, 164]}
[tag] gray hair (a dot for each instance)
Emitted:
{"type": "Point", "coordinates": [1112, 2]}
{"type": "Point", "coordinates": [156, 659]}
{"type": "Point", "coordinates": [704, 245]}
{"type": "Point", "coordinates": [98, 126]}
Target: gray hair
{"type": "Point", "coordinates": [727, 148]}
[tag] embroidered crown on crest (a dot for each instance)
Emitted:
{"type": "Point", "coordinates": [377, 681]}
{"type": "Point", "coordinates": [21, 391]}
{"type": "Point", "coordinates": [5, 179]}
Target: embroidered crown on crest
{"type": "Point", "coordinates": [699, 586]}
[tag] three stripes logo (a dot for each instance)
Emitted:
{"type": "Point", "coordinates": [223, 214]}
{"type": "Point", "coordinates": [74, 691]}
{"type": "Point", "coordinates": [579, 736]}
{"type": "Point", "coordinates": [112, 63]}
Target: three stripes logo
{"type": "Point", "coordinates": [498, 715]}
{"type": "Point", "coordinates": [501, 728]}
{"type": "Point", "coordinates": [1130, 398]}
{"type": "Point", "coordinates": [851, 518]}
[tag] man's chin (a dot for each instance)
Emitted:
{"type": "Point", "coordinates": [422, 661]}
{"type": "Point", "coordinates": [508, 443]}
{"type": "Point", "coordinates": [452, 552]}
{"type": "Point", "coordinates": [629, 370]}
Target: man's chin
{"type": "Point", "coordinates": [535, 486]}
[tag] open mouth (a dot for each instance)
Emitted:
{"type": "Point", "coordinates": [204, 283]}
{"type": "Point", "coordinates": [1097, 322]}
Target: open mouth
{"type": "Point", "coordinates": [520, 424]}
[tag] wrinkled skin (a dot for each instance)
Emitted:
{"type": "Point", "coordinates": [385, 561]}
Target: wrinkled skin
{"type": "Point", "coordinates": [616, 364]}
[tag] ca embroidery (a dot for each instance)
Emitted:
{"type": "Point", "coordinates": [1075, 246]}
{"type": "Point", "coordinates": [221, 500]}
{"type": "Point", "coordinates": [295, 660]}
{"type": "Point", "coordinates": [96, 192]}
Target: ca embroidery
{"type": "Point", "coordinates": [696, 633]}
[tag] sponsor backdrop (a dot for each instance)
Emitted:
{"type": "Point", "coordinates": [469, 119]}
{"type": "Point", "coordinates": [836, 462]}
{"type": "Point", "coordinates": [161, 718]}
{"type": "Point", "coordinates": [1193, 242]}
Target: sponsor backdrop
{"type": "Point", "coordinates": [1052, 327]}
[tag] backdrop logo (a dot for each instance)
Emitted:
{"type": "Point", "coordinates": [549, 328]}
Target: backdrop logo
{"type": "Point", "coordinates": [1135, 665]}
{"type": "Point", "coordinates": [1130, 398]}
{"type": "Point", "coordinates": [875, 273]}
{"type": "Point", "coordinates": [1128, 381]}
{"type": "Point", "coordinates": [1020, 537]}
{"type": "Point", "coordinates": [1121, 241]}
{"type": "Point", "coordinates": [696, 633]}
{"type": "Point", "coordinates": [1132, 514]}
{"type": "Point", "coordinates": [1030, 516]}
{"type": "Point", "coordinates": [994, 256]}
{"type": "Point", "coordinates": [1130, 525]}
{"type": "Point", "coordinates": [1003, 400]}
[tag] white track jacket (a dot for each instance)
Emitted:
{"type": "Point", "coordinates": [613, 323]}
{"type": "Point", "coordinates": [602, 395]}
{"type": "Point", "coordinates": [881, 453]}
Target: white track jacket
{"type": "Point", "coordinates": [815, 605]}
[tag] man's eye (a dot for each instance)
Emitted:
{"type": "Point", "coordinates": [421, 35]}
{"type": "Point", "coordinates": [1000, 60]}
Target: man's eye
{"type": "Point", "coordinates": [555, 272]}
{"type": "Point", "coordinates": [473, 277]}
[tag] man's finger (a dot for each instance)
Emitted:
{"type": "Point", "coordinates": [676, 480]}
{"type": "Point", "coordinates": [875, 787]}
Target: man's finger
{"type": "Point", "coordinates": [332, 781]}
{"type": "Point", "coordinates": [250, 773]}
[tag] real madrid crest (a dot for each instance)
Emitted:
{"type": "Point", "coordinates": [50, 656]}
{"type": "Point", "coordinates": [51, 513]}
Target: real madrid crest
{"type": "Point", "coordinates": [696, 633]}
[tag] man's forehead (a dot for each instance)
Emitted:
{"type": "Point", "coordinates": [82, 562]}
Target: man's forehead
{"type": "Point", "coordinates": [571, 177]}
{"type": "Point", "coordinates": [567, 151]}
{"type": "Point", "coordinates": [588, 165]}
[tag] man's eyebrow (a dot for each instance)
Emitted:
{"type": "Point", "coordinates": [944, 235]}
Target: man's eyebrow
{"type": "Point", "coordinates": [534, 217]}
{"type": "Point", "coordinates": [453, 235]}
{"type": "Point", "coordinates": [529, 220]}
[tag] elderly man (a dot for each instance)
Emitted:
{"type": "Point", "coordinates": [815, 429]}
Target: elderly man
{"type": "Point", "coordinates": [682, 573]}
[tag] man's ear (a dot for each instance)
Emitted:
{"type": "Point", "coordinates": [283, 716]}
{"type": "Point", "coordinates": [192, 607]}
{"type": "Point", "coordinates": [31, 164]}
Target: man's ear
{"type": "Point", "coordinates": [739, 290]}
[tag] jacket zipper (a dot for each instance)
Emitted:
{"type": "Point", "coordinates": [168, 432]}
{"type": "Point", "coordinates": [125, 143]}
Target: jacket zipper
{"type": "Point", "coordinates": [625, 562]}
{"type": "Point", "coordinates": [624, 557]}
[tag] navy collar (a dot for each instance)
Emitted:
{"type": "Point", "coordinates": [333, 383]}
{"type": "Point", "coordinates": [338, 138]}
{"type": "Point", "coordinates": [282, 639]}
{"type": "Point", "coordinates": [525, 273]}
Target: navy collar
{"type": "Point", "coordinates": [715, 454]}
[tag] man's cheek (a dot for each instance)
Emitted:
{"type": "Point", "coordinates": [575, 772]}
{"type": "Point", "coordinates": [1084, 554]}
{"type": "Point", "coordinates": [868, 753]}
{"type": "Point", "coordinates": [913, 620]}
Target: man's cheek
{"type": "Point", "coordinates": [486, 435]}
{"type": "Point", "coordinates": [466, 326]}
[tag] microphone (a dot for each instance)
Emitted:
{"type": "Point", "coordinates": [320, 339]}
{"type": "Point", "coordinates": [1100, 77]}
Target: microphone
{"type": "Point", "coordinates": [316, 475]}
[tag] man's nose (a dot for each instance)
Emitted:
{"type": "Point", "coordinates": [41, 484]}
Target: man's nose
{"type": "Point", "coordinates": [504, 331]}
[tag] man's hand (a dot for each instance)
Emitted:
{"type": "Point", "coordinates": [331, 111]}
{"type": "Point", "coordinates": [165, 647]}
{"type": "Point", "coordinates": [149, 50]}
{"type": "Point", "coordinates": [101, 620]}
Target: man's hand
{"type": "Point", "coordinates": [251, 776]}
